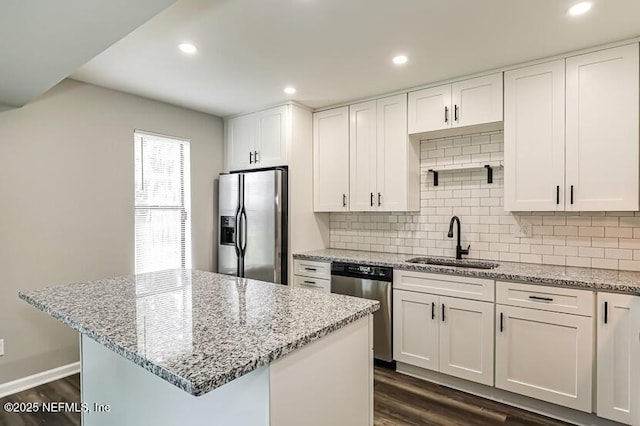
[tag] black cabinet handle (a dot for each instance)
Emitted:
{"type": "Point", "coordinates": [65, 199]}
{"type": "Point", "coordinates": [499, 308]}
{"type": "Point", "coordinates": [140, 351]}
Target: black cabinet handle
{"type": "Point", "coordinates": [501, 322]}
{"type": "Point", "coordinates": [544, 299]}
{"type": "Point", "coordinates": [606, 312]}
{"type": "Point", "coordinates": [446, 114]}
{"type": "Point", "coordinates": [443, 312]}
{"type": "Point", "coordinates": [309, 282]}
{"type": "Point", "coordinates": [379, 199]}
{"type": "Point", "coordinates": [255, 156]}
{"type": "Point", "coordinates": [371, 199]}
{"type": "Point", "coordinates": [433, 310]}
{"type": "Point", "coordinates": [344, 200]}
{"type": "Point", "coordinates": [310, 269]}
{"type": "Point", "coordinates": [455, 113]}
{"type": "Point", "coordinates": [571, 194]}
{"type": "Point", "coordinates": [250, 157]}
{"type": "Point", "coordinates": [558, 194]}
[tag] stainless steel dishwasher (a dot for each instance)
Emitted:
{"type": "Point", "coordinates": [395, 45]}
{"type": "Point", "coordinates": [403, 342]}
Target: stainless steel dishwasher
{"type": "Point", "coordinates": [369, 282]}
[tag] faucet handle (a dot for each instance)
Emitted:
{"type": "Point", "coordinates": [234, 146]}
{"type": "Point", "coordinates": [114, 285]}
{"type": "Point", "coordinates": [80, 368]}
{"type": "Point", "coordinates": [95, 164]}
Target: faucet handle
{"type": "Point", "coordinates": [466, 251]}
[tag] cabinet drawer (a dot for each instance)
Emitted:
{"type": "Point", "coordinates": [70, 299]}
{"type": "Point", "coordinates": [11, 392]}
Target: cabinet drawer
{"type": "Point", "coordinates": [312, 283]}
{"type": "Point", "coordinates": [309, 268]}
{"type": "Point", "coordinates": [445, 285]}
{"type": "Point", "coordinates": [555, 299]}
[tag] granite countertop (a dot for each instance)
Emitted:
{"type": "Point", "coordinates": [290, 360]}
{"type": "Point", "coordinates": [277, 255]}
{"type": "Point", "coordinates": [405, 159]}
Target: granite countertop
{"type": "Point", "coordinates": [563, 276]}
{"type": "Point", "coordinates": [198, 330]}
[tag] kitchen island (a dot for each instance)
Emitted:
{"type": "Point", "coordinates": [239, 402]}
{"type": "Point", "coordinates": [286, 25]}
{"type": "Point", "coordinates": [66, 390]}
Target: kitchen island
{"type": "Point", "coordinates": [192, 347]}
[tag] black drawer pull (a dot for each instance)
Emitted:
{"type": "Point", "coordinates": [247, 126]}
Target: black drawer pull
{"type": "Point", "coordinates": [310, 269]}
{"type": "Point", "coordinates": [606, 312]}
{"type": "Point", "coordinates": [433, 310]}
{"type": "Point", "coordinates": [558, 194]}
{"type": "Point", "coordinates": [501, 322]}
{"type": "Point", "coordinates": [544, 299]}
{"type": "Point", "coordinates": [443, 312]}
{"type": "Point", "coordinates": [309, 282]}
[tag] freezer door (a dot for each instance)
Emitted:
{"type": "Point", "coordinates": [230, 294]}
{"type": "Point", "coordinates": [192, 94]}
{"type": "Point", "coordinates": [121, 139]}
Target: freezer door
{"type": "Point", "coordinates": [228, 205]}
{"type": "Point", "coordinates": [262, 222]}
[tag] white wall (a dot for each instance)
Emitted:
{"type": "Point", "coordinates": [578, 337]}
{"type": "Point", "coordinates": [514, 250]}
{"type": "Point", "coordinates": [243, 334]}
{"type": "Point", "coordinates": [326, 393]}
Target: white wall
{"type": "Point", "coordinates": [67, 204]}
{"type": "Point", "coordinates": [608, 240]}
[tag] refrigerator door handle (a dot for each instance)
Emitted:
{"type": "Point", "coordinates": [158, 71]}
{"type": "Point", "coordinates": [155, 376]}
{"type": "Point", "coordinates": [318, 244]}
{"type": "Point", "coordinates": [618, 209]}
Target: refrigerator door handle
{"type": "Point", "coordinates": [237, 238]}
{"type": "Point", "coordinates": [243, 231]}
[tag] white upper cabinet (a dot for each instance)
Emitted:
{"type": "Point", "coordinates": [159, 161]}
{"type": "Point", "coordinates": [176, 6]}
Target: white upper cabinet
{"type": "Point", "coordinates": [331, 160]}
{"type": "Point", "coordinates": [397, 158]}
{"type": "Point", "coordinates": [258, 140]}
{"type": "Point", "coordinates": [362, 159]}
{"type": "Point", "coordinates": [574, 147]}
{"type": "Point", "coordinates": [602, 130]}
{"type": "Point", "coordinates": [240, 142]}
{"type": "Point", "coordinates": [384, 163]}
{"type": "Point", "coordinates": [464, 103]}
{"type": "Point", "coordinates": [618, 395]}
{"type": "Point", "coordinates": [272, 137]}
{"type": "Point", "coordinates": [477, 101]}
{"type": "Point", "coordinates": [534, 138]}
{"type": "Point", "coordinates": [430, 109]}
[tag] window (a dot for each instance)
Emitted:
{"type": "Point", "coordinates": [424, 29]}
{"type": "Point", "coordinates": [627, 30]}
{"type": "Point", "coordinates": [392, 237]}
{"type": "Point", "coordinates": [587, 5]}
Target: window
{"type": "Point", "coordinates": [162, 204]}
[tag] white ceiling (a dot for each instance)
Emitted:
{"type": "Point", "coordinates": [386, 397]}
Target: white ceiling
{"type": "Point", "coordinates": [335, 51]}
{"type": "Point", "coordinates": [43, 41]}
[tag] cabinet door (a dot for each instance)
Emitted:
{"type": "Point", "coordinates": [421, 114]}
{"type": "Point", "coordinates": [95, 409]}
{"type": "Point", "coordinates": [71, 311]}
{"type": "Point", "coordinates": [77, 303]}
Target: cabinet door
{"type": "Point", "coordinates": [272, 136]}
{"type": "Point", "coordinates": [534, 138]}
{"type": "Point", "coordinates": [602, 130]}
{"type": "Point", "coordinates": [362, 158]}
{"type": "Point", "coordinates": [466, 339]}
{"type": "Point", "coordinates": [545, 355]}
{"type": "Point", "coordinates": [240, 142]}
{"type": "Point", "coordinates": [430, 109]}
{"type": "Point", "coordinates": [618, 354]}
{"type": "Point", "coordinates": [392, 152]}
{"type": "Point", "coordinates": [477, 101]}
{"type": "Point", "coordinates": [331, 160]}
{"type": "Point", "coordinates": [415, 329]}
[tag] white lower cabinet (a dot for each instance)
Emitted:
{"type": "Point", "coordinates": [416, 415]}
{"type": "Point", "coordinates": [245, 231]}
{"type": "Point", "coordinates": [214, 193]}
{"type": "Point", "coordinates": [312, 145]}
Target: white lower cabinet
{"type": "Point", "coordinates": [416, 329]}
{"type": "Point", "coordinates": [466, 339]}
{"type": "Point", "coordinates": [312, 275]}
{"type": "Point", "coordinates": [618, 371]}
{"type": "Point", "coordinates": [545, 355]}
{"type": "Point", "coordinates": [446, 334]}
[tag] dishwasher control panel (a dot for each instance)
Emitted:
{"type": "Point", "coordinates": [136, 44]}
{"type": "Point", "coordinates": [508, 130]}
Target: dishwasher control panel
{"type": "Point", "coordinates": [380, 273]}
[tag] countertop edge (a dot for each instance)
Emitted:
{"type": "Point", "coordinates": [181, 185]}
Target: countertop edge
{"type": "Point", "coordinates": [594, 285]}
{"type": "Point", "coordinates": [217, 381]}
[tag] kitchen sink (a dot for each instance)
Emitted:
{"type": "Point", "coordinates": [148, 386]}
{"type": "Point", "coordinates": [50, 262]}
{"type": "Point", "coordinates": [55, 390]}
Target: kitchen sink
{"type": "Point", "coordinates": [458, 263]}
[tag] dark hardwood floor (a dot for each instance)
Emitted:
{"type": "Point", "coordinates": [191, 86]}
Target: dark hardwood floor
{"type": "Point", "coordinates": [402, 400]}
{"type": "Point", "coordinates": [63, 390]}
{"type": "Point", "coordinates": [399, 400]}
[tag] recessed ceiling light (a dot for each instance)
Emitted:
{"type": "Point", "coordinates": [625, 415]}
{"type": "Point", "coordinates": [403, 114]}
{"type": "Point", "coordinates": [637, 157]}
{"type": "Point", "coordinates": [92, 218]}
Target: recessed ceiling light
{"type": "Point", "coordinates": [580, 8]}
{"type": "Point", "coordinates": [400, 59]}
{"type": "Point", "coordinates": [290, 90]}
{"type": "Point", "coordinates": [188, 48]}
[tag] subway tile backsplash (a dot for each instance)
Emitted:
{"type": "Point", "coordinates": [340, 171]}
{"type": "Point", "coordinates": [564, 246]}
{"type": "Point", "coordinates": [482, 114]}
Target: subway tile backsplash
{"type": "Point", "coordinates": [608, 240]}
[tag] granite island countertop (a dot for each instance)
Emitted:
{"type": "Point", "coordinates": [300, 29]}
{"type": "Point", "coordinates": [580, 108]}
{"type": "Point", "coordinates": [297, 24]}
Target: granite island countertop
{"type": "Point", "coordinates": [561, 276]}
{"type": "Point", "coordinates": [197, 330]}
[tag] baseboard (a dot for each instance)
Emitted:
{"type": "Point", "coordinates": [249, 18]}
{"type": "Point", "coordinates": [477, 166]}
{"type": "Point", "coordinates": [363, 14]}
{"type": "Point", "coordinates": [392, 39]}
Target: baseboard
{"type": "Point", "coordinates": [530, 404]}
{"type": "Point", "coordinates": [38, 379]}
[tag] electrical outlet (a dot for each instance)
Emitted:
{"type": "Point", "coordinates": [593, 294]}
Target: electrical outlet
{"type": "Point", "coordinates": [1, 347]}
{"type": "Point", "coordinates": [524, 228]}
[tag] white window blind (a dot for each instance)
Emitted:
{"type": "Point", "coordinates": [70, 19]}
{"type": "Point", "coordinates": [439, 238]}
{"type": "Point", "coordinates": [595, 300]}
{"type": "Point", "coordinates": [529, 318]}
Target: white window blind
{"type": "Point", "coordinates": [162, 204]}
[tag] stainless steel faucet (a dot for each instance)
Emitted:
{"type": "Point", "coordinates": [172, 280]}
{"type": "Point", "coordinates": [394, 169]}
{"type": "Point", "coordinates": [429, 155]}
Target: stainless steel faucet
{"type": "Point", "coordinates": [459, 250]}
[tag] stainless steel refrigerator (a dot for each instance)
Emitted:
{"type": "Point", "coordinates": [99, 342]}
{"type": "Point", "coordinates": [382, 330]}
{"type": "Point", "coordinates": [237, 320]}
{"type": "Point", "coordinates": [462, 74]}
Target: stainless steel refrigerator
{"type": "Point", "coordinates": [253, 225]}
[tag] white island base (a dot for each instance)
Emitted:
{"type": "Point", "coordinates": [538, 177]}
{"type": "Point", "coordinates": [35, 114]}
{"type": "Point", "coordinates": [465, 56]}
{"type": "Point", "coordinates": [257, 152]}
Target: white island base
{"type": "Point", "coordinates": [327, 382]}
